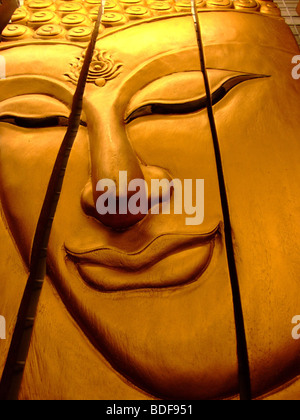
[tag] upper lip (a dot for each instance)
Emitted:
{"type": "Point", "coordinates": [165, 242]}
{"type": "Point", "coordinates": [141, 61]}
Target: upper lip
{"type": "Point", "coordinates": [155, 251]}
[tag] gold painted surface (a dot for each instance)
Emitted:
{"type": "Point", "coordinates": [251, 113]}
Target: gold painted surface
{"type": "Point", "coordinates": [103, 332]}
{"type": "Point", "coordinates": [79, 14]}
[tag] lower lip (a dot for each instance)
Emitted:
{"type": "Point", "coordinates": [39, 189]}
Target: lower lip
{"type": "Point", "coordinates": [175, 270]}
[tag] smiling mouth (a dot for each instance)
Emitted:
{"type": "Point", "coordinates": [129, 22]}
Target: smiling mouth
{"type": "Point", "coordinates": [168, 261]}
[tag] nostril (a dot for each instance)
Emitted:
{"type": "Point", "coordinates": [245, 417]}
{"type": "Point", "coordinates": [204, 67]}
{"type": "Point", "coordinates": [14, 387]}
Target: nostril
{"type": "Point", "coordinates": [108, 208]}
{"type": "Point", "coordinates": [87, 200]}
{"type": "Point", "coordinates": [121, 205]}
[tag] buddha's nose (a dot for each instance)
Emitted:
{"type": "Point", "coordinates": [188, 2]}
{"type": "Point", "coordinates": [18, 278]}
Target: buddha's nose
{"type": "Point", "coordinates": [114, 163]}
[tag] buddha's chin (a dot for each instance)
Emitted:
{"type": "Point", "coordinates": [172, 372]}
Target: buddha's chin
{"type": "Point", "coordinates": [154, 337]}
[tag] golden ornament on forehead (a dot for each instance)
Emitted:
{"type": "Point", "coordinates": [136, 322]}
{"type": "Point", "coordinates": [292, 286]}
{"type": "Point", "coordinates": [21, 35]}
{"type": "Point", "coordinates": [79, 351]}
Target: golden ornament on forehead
{"type": "Point", "coordinates": [72, 21]}
{"type": "Point", "coordinates": [102, 68]}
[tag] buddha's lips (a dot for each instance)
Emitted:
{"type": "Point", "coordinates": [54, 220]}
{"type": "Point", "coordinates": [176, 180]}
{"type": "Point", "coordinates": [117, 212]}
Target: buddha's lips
{"type": "Point", "coordinates": [169, 260]}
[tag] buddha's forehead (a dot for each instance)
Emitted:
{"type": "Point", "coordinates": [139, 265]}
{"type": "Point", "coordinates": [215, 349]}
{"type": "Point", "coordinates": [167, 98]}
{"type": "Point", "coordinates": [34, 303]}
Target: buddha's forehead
{"type": "Point", "coordinates": [130, 47]}
{"type": "Point", "coordinates": [235, 41]}
{"type": "Point", "coordinates": [222, 27]}
{"type": "Point", "coordinates": [232, 40]}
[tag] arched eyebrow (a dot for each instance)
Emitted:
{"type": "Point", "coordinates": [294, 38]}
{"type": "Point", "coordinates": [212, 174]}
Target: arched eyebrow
{"type": "Point", "coordinates": [195, 105]}
{"type": "Point", "coordinates": [33, 84]}
{"type": "Point", "coordinates": [22, 86]}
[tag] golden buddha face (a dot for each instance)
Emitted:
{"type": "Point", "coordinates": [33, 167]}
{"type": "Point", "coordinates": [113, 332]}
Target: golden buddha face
{"type": "Point", "coordinates": [153, 293]}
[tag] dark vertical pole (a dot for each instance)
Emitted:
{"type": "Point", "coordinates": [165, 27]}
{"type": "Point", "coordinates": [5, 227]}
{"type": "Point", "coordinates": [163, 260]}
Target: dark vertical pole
{"type": "Point", "coordinates": [7, 8]}
{"type": "Point", "coordinates": [19, 347]}
{"type": "Point", "coordinates": [242, 351]}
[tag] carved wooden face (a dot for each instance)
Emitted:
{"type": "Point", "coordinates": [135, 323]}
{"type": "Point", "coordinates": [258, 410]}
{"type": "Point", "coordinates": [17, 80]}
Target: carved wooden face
{"type": "Point", "coordinates": [152, 293]}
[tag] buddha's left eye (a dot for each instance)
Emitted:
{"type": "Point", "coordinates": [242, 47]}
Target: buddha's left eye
{"type": "Point", "coordinates": [181, 89]}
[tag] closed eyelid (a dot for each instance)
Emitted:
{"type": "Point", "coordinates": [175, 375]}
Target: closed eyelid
{"type": "Point", "coordinates": [190, 106]}
{"type": "Point", "coordinates": [34, 122]}
{"type": "Point", "coordinates": [35, 111]}
{"type": "Point", "coordinates": [44, 122]}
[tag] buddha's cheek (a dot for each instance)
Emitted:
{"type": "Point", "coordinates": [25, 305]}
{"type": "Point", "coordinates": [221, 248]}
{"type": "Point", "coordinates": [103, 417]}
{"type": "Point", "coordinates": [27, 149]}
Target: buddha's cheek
{"type": "Point", "coordinates": [26, 161]}
{"type": "Point", "coordinates": [262, 173]}
{"type": "Point", "coordinates": [183, 146]}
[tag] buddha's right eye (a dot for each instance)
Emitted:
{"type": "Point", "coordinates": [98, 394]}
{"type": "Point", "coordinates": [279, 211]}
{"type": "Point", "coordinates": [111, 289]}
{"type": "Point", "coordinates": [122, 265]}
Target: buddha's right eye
{"type": "Point", "coordinates": [35, 122]}
{"type": "Point", "coordinates": [44, 122]}
{"type": "Point", "coordinates": [35, 111]}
